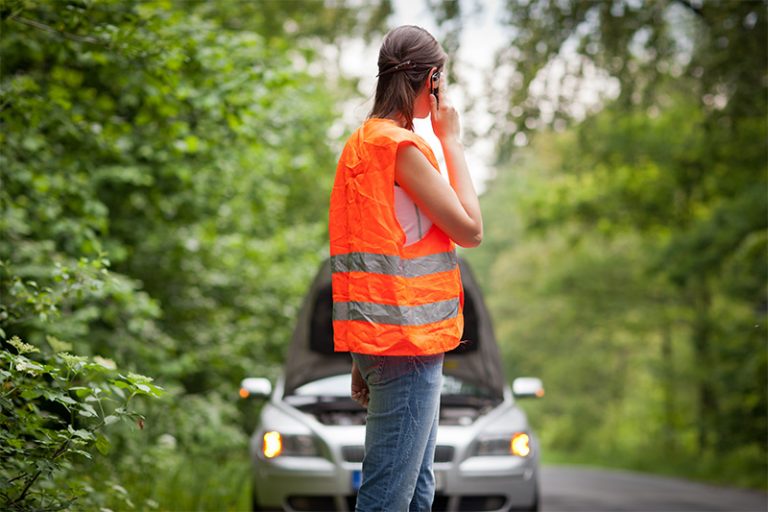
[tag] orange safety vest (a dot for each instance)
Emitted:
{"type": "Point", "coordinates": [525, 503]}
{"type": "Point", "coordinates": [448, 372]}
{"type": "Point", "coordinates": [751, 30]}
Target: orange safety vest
{"type": "Point", "coordinates": [388, 299]}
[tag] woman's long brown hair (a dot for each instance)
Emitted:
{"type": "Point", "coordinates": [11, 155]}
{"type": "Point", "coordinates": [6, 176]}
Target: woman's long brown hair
{"type": "Point", "coordinates": [406, 56]}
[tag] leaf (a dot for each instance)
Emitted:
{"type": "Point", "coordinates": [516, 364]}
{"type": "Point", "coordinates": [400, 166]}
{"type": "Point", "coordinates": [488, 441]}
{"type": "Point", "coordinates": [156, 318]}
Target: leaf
{"type": "Point", "coordinates": [106, 363]}
{"type": "Point", "coordinates": [81, 452]}
{"type": "Point", "coordinates": [26, 365]}
{"type": "Point", "coordinates": [31, 394]}
{"type": "Point", "coordinates": [110, 419]}
{"type": "Point", "coordinates": [88, 411]}
{"type": "Point", "coordinates": [103, 444]}
{"type": "Point", "coordinates": [119, 392]}
{"type": "Point", "coordinates": [82, 434]}
{"type": "Point", "coordinates": [81, 391]}
{"type": "Point", "coordinates": [58, 396]}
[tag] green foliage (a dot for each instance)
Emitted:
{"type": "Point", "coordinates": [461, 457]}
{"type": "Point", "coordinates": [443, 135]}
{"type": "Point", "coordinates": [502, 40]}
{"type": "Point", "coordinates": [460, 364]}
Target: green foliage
{"type": "Point", "coordinates": [652, 48]}
{"type": "Point", "coordinates": [58, 409]}
{"type": "Point", "coordinates": [55, 407]}
{"type": "Point", "coordinates": [163, 189]}
{"type": "Point", "coordinates": [189, 155]}
{"type": "Point", "coordinates": [639, 234]}
{"type": "Point", "coordinates": [655, 295]}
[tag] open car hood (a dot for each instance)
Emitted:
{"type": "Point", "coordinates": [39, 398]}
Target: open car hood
{"type": "Point", "coordinates": [311, 356]}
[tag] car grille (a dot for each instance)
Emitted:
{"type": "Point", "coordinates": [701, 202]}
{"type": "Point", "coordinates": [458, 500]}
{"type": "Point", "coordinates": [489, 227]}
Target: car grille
{"type": "Point", "coordinates": [352, 453]}
{"type": "Point", "coordinates": [356, 453]}
{"type": "Point", "coordinates": [480, 503]}
{"type": "Point", "coordinates": [443, 453]}
{"type": "Point", "coordinates": [440, 503]}
{"type": "Point", "coordinates": [313, 503]}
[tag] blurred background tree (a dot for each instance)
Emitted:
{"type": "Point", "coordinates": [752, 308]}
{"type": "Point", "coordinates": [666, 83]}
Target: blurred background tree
{"type": "Point", "coordinates": [189, 147]}
{"type": "Point", "coordinates": [184, 145]}
{"type": "Point", "coordinates": [640, 240]}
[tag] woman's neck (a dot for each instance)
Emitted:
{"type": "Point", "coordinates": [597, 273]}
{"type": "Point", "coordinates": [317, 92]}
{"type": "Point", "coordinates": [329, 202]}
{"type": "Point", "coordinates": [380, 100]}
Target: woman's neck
{"type": "Point", "coordinates": [397, 118]}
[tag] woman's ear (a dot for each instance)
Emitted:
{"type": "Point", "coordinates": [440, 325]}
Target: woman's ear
{"type": "Point", "coordinates": [428, 85]}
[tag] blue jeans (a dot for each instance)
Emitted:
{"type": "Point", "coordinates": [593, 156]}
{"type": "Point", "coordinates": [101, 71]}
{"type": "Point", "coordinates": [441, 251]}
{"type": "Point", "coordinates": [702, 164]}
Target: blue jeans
{"type": "Point", "coordinates": [400, 432]}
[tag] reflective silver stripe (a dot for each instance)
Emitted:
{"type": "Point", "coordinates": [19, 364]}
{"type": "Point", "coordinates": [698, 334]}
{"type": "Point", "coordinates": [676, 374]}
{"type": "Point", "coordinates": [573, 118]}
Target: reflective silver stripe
{"type": "Point", "coordinates": [394, 265]}
{"type": "Point", "coordinates": [396, 315]}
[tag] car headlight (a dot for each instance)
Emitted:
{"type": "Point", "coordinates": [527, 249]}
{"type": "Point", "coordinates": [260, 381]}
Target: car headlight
{"type": "Point", "coordinates": [517, 444]}
{"type": "Point", "coordinates": [275, 444]}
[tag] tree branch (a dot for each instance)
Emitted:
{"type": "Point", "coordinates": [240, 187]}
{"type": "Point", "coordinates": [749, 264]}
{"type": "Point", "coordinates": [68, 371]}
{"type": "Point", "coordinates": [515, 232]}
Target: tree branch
{"type": "Point", "coordinates": [34, 477]}
{"type": "Point", "coordinates": [26, 488]}
{"type": "Point", "coordinates": [60, 33]}
{"type": "Point", "coordinates": [17, 477]}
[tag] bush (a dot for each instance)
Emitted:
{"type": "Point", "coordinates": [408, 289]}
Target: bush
{"type": "Point", "coordinates": [55, 408]}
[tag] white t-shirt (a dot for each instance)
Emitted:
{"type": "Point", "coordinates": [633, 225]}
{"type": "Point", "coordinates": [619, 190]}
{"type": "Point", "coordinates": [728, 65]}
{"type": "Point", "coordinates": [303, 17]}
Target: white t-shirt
{"type": "Point", "coordinates": [414, 223]}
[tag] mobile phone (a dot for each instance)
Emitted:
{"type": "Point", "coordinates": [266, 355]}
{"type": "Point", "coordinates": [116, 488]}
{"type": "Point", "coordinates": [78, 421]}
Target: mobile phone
{"type": "Point", "coordinates": [435, 86]}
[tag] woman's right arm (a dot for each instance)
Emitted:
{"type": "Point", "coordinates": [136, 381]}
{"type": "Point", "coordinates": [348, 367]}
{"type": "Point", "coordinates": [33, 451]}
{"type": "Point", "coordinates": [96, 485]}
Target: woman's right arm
{"type": "Point", "coordinates": [453, 207]}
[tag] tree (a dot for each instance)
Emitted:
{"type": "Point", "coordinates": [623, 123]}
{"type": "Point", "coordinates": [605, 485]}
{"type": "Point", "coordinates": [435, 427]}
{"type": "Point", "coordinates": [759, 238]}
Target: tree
{"type": "Point", "coordinates": [191, 157]}
{"type": "Point", "coordinates": [674, 151]}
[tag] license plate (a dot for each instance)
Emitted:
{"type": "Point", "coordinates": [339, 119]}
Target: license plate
{"type": "Point", "coordinates": [357, 480]}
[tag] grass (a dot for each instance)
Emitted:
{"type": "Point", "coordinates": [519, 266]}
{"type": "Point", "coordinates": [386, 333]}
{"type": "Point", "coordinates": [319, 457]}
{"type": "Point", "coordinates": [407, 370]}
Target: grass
{"type": "Point", "coordinates": [195, 484]}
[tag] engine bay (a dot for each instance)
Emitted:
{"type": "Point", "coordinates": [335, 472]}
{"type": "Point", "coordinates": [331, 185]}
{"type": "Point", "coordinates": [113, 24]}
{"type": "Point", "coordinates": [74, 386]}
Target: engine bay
{"type": "Point", "coordinates": [455, 411]}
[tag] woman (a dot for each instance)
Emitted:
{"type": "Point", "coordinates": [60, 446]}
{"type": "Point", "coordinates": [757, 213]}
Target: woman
{"type": "Point", "coordinates": [396, 284]}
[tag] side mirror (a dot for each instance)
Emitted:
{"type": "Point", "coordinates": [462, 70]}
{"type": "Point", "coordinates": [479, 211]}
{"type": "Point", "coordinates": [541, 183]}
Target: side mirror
{"type": "Point", "coordinates": [528, 387]}
{"type": "Point", "coordinates": [255, 387]}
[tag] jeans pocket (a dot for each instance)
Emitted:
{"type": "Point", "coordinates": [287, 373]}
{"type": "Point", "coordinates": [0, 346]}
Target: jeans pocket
{"type": "Point", "coordinates": [370, 366]}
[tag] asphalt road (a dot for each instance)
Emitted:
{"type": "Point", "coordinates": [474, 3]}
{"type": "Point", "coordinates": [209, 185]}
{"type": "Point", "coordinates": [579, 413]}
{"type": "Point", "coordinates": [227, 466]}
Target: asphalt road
{"type": "Point", "coordinates": [567, 489]}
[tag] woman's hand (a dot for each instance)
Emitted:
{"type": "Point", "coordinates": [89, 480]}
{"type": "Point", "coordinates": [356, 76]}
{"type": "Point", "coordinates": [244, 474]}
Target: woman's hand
{"type": "Point", "coordinates": [445, 119]}
{"type": "Point", "coordinates": [359, 387]}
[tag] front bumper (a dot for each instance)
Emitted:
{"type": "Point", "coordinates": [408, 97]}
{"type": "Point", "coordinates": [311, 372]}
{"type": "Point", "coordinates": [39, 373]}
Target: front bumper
{"type": "Point", "coordinates": [298, 484]}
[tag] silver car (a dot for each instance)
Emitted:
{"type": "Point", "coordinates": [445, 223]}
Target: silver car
{"type": "Point", "coordinates": [307, 449]}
